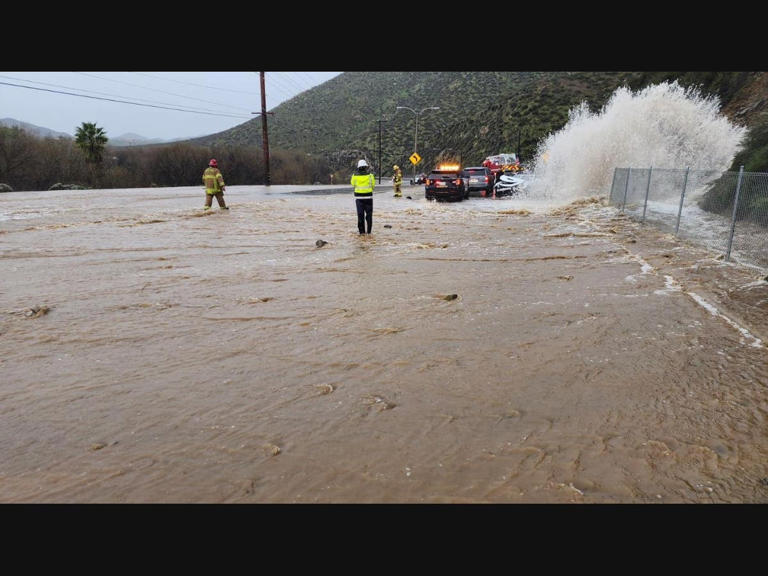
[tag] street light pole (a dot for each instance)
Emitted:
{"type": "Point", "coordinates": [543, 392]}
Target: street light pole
{"type": "Point", "coordinates": [380, 120]}
{"type": "Point", "coordinates": [416, 133]}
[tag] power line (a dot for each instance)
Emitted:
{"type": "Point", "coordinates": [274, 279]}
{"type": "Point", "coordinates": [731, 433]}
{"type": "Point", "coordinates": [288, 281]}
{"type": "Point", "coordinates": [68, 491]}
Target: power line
{"type": "Point", "coordinates": [279, 83]}
{"type": "Point", "coordinates": [121, 101]}
{"type": "Point", "coordinates": [161, 91]}
{"type": "Point", "coordinates": [199, 85]}
{"type": "Point", "coordinates": [295, 82]}
{"type": "Point", "coordinates": [97, 92]}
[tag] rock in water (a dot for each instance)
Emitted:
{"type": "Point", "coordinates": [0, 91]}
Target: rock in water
{"type": "Point", "coordinates": [320, 243]}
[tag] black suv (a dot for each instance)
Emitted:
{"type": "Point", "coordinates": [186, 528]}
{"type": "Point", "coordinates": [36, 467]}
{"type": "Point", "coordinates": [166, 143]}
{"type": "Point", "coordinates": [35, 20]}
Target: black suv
{"type": "Point", "coordinates": [480, 181]}
{"type": "Point", "coordinates": [446, 183]}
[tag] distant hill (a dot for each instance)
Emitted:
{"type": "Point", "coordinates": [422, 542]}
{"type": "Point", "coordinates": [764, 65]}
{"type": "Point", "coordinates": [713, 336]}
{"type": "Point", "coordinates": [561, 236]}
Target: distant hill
{"type": "Point", "coordinates": [481, 113]}
{"type": "Point", "coordinates": [131, 139]}
{"type": "Point", "coordinates": [38, 131]}
{"type": "Point", "coordinates": [127, 139]}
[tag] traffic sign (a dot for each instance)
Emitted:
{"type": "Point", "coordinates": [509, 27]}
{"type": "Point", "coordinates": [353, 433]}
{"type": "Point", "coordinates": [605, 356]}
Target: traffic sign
{"type": "Point", "coordinates": [415, 158]}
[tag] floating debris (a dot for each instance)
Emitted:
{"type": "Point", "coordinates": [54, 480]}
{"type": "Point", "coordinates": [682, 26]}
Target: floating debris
{"type": "Point", "coordinates": [325, 388]}
{"type": "Point", "coordinates": [409, 198]}
{"type": "Point", "coordinates": [387, 225]}
{"type": "Point", "coordinates": [447, 297]}
{"type": "Point", "coordinates": [379, 403]}
{"type": "Point", "coordinates": [382, 331]}
{"type": "Point", "coordinates": [98, 445]}
{"type": "Point", "coordinates": [36, 311]}
{"type": "Point", "coordinates": [320, 243]}
{"type": "Point", "coordinates": [272, 449]}
{"type": "Point", "coordinates": [568, 277]}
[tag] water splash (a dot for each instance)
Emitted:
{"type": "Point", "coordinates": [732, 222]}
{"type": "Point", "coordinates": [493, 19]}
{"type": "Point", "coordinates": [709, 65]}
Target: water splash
{"type": "Point", "coordinates": [663, 125]}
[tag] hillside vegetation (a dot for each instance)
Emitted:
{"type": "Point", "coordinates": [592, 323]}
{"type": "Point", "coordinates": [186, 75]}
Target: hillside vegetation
{"type": "Point", "coordinates": [319, 135]}
{"type": "Point", "coordinates": [481, 113]}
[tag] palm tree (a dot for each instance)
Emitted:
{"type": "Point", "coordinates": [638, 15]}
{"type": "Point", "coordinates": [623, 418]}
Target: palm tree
{"type": "Point", "coordinates": [91, 139]}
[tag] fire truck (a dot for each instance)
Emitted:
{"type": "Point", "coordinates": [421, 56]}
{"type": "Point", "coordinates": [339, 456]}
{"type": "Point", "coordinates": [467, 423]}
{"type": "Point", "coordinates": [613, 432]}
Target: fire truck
{"type": "Point", "coordinates": [501, 163]}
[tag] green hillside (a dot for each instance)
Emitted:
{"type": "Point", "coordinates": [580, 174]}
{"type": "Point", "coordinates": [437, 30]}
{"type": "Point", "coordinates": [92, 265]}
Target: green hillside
{"type": "Point", "coordinates": [481, 113]}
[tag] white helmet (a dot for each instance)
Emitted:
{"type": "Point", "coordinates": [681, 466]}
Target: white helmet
{"type": "Point", "coordinates": [362, 164]}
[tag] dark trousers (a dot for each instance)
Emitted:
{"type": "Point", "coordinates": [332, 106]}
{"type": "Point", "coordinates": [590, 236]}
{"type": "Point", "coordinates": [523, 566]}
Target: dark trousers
{"type": "Point", "coordinates": [364, 214]}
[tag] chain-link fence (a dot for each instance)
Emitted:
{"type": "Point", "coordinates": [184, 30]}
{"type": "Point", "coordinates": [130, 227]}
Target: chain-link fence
{"type": "Point", "coordinates": [725, 211]}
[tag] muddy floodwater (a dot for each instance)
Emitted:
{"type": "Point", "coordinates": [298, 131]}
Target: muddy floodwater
{"type": "Point", "coordinates": [488, 351]}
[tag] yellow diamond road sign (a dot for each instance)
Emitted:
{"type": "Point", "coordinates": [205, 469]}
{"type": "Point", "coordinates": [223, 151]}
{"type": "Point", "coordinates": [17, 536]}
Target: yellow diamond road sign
{"type": "Point", "coordinates": [415, 158]}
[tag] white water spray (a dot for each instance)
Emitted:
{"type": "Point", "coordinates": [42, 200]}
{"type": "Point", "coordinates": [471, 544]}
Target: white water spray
{"type": "Point", "coordinates": [664, 126]}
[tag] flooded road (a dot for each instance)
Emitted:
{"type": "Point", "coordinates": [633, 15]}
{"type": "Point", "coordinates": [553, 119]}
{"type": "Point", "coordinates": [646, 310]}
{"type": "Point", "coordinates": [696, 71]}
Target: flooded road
{"type": "Point", "coordinates": [488, 351]}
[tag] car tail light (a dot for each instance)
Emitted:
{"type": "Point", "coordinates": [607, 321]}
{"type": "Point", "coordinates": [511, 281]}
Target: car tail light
{"type": "Point", "coordinates": [486, 178]}
{"type": "Point", "coordinates": [457, 181]}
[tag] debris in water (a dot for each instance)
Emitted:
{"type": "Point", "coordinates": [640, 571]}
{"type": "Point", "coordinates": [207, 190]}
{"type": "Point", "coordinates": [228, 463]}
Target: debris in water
{"type": "Point", "coordinates": [36, 311]}
{"type": "Point", "coordinates": [520, 212]}
{"type": "Point", "coordinates": [568, 277]}
{"type": "Point", "coordinates": [447, 297]}
{"type": "Point", "coordinates": [387, 226]}
{"type": "Point", "coordinates": [380, 403]}
{"type": "Point", "coordinates": [388, 330]}
{"type": "Point", "coordinates": [325, 388]}
{"type": "Point", "coordinates": [272, 449]}
{"type": "Point", "coordinates": [320, 243]}
{"type": "Point", "coordinates": [98, 445]}
{"type": "Point", "coordinates": [409, 198]}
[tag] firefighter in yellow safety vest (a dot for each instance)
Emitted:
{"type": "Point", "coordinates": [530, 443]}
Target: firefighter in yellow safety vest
{"type": "Point", "coordinates": [397, 181]}
{"type": "Point", "coordinates": [363, 182]}
{"type": "Point", "coordinates": [214, 185]}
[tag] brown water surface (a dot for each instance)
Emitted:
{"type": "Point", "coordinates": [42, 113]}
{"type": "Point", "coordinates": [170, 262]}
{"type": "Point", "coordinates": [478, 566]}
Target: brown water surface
{"type": "Point", "coordinates": [489, 351]}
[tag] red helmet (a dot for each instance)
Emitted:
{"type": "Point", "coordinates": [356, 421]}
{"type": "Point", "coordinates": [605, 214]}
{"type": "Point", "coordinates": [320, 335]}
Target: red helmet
{"type": "Point", "coordinates": [213, 162]}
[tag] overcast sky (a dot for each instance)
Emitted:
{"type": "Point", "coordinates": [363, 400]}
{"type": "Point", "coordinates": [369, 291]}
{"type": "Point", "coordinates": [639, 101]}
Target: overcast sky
{"type": "Point", "coordinates": [173, 104]}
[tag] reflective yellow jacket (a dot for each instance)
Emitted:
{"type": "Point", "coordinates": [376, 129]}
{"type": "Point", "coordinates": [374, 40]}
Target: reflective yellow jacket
{"type": "Point", "coordinates": [364, 184]}
{"type": "Point", "coordinates": [213, 180]}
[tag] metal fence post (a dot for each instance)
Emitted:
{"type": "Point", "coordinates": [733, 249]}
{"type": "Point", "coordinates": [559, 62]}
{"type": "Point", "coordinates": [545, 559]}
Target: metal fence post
{"type": "Point", "coordinates": [733, 218]}
{"type": "Point", "coordinates": [647, 190]}
{"type": "Point", "coordinates": [682, 197]}
{"type": "Point", "coordinates": [613, 182]}
{"type": "Point", "coordinates": [626, 187]}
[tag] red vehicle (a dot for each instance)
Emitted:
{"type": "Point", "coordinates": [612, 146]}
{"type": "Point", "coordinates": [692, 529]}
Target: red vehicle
{"type": "Point", "coordinates": [501, 163]}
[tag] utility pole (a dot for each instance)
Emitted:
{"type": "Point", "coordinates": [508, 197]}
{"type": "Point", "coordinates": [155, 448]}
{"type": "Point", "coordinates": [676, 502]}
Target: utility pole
{"type": "Point", "coordinates": [265, 139]}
